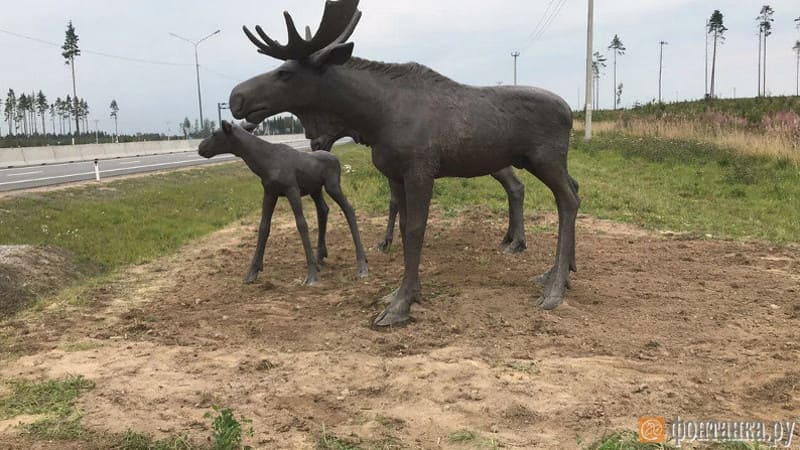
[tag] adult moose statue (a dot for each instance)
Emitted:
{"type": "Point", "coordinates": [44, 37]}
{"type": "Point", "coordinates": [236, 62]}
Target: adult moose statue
{"type": "Point", "coordinates": [420, 126]}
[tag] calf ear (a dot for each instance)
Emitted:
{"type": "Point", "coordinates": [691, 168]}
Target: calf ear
{"type": "Point", "coordinates": [227, 127]}
{"type": "Point", "coordinates": [249, 127]}
{"type": "Point", "coordinates": [336, 55]}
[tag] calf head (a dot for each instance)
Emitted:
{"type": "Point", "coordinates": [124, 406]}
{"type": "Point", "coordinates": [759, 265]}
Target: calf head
{"type": "Point", "coordinates": [298, 84]}
{"type": "Point", "coordinates": [228, 139]}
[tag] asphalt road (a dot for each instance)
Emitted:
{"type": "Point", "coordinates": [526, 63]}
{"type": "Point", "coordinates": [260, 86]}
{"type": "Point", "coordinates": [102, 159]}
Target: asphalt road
{"type": "Point", "coordinates": [48, 175]}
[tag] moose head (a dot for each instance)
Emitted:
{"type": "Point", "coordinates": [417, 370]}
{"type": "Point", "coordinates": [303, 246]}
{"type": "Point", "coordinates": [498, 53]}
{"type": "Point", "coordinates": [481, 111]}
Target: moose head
{"type": "Point", "coordinates": [225, 140]}
{"type": "Point", "coordinates": [295, 86]}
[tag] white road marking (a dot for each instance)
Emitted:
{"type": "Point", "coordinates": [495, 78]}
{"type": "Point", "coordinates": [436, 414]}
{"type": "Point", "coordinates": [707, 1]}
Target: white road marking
{"type": "Point", "coordinates": [23, 173]}
{"type": "Point", "coordinates": [138, 161]}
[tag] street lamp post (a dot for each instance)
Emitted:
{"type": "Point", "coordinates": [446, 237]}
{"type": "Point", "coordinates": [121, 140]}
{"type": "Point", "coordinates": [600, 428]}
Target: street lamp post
{"type": "Point", "coordinates": [220, 107]}
{"type": "Point", "coordinates": [197, 70]}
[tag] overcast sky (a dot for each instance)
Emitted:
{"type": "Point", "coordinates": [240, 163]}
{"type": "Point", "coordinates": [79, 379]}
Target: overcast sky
{"type": "Point", "coordinates": [467, 40]}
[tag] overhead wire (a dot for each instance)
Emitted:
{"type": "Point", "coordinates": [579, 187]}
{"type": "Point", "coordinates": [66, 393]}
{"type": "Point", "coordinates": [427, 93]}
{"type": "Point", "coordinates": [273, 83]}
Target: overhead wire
{"type": "Point", "coordinates": [547, 19]}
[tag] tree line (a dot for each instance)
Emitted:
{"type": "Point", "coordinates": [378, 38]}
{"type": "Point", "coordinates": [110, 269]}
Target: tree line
{"type": "Point", "coordinates": [29, 114]}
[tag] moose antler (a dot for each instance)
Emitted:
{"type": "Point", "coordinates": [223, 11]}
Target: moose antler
{"type": "Point", "coordinates": [338, 23]}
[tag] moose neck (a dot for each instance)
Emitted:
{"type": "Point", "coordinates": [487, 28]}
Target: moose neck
{"type": "Point", "coordinates": [255, 152]}
{"type": "Point", "coordinates": [358, 99]}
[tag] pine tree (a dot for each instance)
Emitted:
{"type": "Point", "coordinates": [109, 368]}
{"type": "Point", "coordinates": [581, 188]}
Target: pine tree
{"type": "Point", "coordinates": [10, 111]}
{"type": "Point", "coordinates": [716, 27]}
{"type": "Point", "coordinates": [618, 48]}
{"type": "Point", "coordinates": [42, 107]}
{"type": "Point", "coordinates": [70, 52]}
{"type": "Point", "coordinates": [114, 113]}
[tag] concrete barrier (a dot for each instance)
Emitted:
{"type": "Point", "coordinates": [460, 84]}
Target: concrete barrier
{"type": "Point", "coordinates": [10, 157]}
{"type": "Point", "coordinates": [34, 156]}
{"type": "Point", "coordinates": [56, 154]}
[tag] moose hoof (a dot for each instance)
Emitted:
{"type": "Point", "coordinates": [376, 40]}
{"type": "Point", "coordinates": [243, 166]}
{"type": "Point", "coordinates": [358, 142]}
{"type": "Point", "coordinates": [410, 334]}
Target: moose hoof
{"type": "Point", "coordinates": [392, 316]}
{"type": "Point", "coordinates": [515, 247]}
{"type": "Point", "coordinates": [251, 277]}
{"type": "Point", "coordinates": [385, 246]}
{"type": "Point", "coordinates": [363, 273]}
{"type": "Point", "coordinates": [550, 302]}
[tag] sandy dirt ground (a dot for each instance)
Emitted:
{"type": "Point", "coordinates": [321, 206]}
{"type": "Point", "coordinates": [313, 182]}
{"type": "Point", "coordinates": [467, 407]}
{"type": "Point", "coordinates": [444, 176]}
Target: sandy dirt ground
{"type": "Point", "coordinates": [655, 324]}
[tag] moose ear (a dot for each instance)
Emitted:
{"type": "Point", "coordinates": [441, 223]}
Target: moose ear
{"type": "Point", "coordinates": [227, 127]}
{"type": "Point", "coordinates": [249, 127]}
{"type": "Point", "coordinates": [336, 55]}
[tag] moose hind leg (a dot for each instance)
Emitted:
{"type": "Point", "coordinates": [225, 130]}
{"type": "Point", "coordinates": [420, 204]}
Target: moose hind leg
{"type": "Point", "coordinates": [514, 240]}
{"type": "Point", "coordinates": [386, 243]}
{"type": "Point", "coordinates": [553, 173]}
{"type": "Point", "coordinates": [322, 220]}
{"type": "Point", "coordinates": [334, 189]}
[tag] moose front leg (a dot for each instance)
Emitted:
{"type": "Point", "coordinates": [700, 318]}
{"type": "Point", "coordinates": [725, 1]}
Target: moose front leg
{"type": "Point", "coordinates": [267, 208]}
{"type": "Point", "coordinates": [386, 244]}
{"type": "Point", "coordinates": [418, 192]}
{"type": "Point", "coordinates": [302, 227]}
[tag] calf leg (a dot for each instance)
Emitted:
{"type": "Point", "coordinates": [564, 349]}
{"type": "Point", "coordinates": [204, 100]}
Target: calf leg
{"type": "Point", "coordinates": [514, 241]}
{"type": "Point", "coordinates": [267, 208]}
{"type": "Point", "coordinates": [302, 227]}
{"type": "Point", "coordinates": [333, 189]}
{"type": "Point", "coordinates": [553, 173]}
{"type": "Point", "coordinates": [418, 192]}
{"type": "Point", "coordinates": [386, 244]}
{"type": "Point", "coordinates": [322, 221]}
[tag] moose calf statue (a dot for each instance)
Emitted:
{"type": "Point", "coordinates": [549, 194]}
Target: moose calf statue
{"type": "Point", "coordinates": [420, 126]}
{"type": "Point", "coordinates": [286, 172]}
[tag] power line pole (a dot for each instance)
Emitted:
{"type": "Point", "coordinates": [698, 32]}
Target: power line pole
{"type": "Point", "coordinates": [660, 67]}
{"type": "Point", "coordinates": [705, 30]}
{"type": "Point", "coordinates": [220, 107]}
{"type": "Point", "coordinates": [197, 69]}
{"type": "Point", "coordinates": [589, 37]}
{"type": "Point", "coordinates": [515, 55]}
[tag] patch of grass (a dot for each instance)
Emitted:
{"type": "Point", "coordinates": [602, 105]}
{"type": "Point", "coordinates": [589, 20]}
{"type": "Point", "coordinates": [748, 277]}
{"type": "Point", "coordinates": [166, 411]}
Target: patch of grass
{"type": "Point", "coordinates": [134, 220]}
{"type": "Point", "coordinates": [328, 441]}
{"type": "Point", "coordinates": [688, 187]}
{"type": "Point", "coordinates": [132, 440]}
{"type": "Point", "coordinates": [625, 440]}
{"type": "Point", "coordinates": [52, 399]}
{"type": "Point", "coordinates": [80, 346]}
{"type": "Point", "coordinates": [227, 432]}
{"type": "Point", "coordinates": [528, 367]}
{"type": "Point", "coordinates": [465, 436]}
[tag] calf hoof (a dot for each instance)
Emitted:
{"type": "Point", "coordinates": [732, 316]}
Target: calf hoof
{"type": "Point", "coordinates": [363, 273]}
{"type": "Point", "coordinates": [515, 247]}
{"type": "Point", "coordinates": [311, 280]}
{"type": "Point", "coordinates": [392, 316]}
{"type": "Point", "coordinates": [251, 277]}
{"type": "Point", "coordinates": [550, 302]}
{"type": "Point", "coordinates": [385, 245]}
